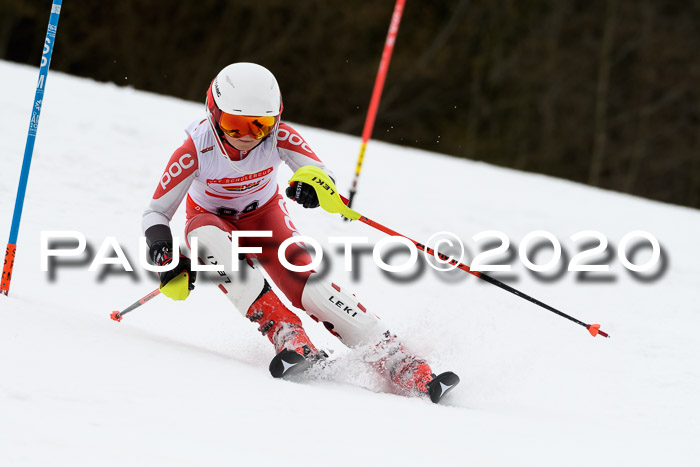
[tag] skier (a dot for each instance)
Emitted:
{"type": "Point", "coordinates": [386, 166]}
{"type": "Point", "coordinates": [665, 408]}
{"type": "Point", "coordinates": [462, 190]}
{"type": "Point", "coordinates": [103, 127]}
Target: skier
{"type": "Point", "coordinates": [227, 169]}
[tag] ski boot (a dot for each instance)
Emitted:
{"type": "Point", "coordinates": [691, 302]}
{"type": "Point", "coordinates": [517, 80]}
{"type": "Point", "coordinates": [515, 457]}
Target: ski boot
{"type": "Point", "coordinates": [284, 329]}
{"type": "Point", "coordinates": [412, 374]}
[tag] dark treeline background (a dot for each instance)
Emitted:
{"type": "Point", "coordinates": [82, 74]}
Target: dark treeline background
{"type": "Point", "coordinates": [603, 92]}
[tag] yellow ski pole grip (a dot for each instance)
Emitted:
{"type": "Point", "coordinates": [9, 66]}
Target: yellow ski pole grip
{"type": "Point", "coordinates": [328, 196]}
{"type": "Point", "coordinates": [177, 288]}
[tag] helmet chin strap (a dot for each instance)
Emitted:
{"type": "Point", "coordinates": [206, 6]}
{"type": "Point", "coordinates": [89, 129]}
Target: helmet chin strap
{"type": "Point", "coordinates": [222, 149]}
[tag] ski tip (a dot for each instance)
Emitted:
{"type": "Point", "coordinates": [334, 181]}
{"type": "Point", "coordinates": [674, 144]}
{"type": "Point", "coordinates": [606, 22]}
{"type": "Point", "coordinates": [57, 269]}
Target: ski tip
{"type": "Point", "coordinates": [115, 316]}
{"type": "Point", "coordinates": [441, 385]}
{"type": "Point", "coordinates": [287, 363]}
{"type": "Point", "coordinates": [594, 329]}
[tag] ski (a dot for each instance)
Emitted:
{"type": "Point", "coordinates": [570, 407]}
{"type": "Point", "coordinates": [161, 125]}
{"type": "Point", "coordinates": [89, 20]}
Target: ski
{"type": "Point", "coordinates": [288, 363]}
{"type": "Point", "coordinates": [439, 386]}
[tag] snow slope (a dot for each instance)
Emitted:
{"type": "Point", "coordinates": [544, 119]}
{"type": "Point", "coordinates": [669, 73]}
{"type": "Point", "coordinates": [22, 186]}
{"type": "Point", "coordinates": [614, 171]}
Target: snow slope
{"type": "Point", "coordinates": [187, 383]}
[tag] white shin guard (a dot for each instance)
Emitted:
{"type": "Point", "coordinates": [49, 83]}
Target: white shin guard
{"type": "Point", "coordinates": [243, 287]}
{"type": "Point", "coordinates": [341, 313]}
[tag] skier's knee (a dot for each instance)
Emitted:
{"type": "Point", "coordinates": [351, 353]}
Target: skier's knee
{"type": "Point", "coordinates": [341, 313]}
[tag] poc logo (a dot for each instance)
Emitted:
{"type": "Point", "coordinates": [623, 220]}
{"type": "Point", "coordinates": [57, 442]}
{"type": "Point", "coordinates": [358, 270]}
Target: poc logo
{"type": "Point", "coordinates": [175, 169]}
{"type": "Point", "coordinates": [293, 138]}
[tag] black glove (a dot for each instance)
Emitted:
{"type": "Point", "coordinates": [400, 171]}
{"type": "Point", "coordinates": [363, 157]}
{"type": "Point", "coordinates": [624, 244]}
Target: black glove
{"type": "Point", "coordinates": [303, 193]}
{"type": "Point", "coordinates": [162, 253]}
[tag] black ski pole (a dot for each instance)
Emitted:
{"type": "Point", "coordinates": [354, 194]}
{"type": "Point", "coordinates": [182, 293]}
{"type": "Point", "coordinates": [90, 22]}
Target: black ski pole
{"type": "Point", "coordinates": [594, 329]}
{"type": "Point", "coordinates": [331, 201]}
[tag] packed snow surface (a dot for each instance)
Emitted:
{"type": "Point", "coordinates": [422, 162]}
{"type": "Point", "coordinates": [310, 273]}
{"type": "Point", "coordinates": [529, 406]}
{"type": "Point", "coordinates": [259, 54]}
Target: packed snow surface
{"type": "Point", "coordinates": [187, 383]}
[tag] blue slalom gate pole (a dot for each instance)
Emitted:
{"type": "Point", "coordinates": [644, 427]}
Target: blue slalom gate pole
{"type": "Point", "coordinates": [29, 148]}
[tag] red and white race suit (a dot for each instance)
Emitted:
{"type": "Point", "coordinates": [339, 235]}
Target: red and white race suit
{"type": "Point", "coordinates": [237, 190]}
{"type": "Point", "coordinates": [242, 191]}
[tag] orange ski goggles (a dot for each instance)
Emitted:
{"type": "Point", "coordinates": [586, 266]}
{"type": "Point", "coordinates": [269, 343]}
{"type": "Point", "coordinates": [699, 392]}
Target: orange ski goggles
{"type": "Point", "coordinates": [238, 126]}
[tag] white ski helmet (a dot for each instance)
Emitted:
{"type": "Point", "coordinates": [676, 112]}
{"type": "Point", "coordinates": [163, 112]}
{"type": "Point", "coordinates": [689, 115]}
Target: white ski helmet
{"type": "Point", "coordinates": [244, 99]}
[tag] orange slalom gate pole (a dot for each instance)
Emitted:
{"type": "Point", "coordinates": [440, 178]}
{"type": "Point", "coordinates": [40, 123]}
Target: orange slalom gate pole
{"type": "Point", "coordinates": [377, 92]}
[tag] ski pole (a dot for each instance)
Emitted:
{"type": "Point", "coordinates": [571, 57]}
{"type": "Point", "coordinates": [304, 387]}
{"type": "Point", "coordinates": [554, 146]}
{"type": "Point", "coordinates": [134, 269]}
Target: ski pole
{"type": "Point", "coordinates": [377, 92]}
{"type": "Point", "coordinates": [117, 315]}
{"type": "Point", "coordinates": [592, 328]}
{"type": "Point", "coordinates": [332, 202]}
{"type": "Point", "coordinates": [9, 264]}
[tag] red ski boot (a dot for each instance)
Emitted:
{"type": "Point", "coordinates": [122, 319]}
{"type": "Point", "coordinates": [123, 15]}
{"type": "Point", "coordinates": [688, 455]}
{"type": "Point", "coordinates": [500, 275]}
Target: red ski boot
{"type": "Point", "coordinates": [279, 324]}
{"type": "Point", "coordinates": [410, 373]}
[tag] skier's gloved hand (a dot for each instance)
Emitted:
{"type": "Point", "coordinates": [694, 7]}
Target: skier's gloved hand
{"type": "Point", "coordinates": [179, 281]}
{"type": "Point", "coordinates": [303, 193]}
